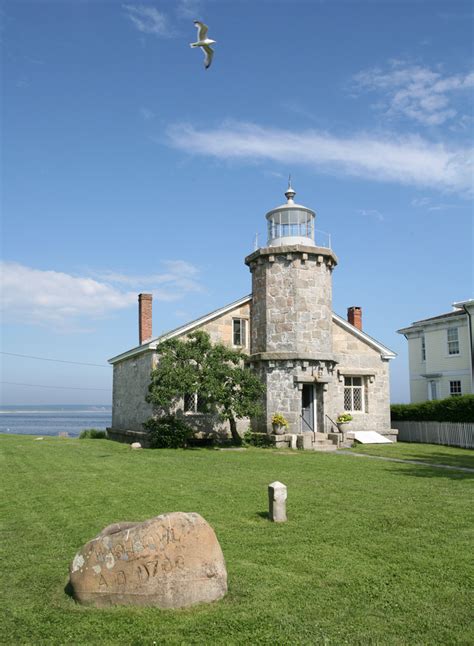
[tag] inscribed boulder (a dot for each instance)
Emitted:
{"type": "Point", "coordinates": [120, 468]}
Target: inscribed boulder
{"type": "Point", "coordinates": [171, 561]}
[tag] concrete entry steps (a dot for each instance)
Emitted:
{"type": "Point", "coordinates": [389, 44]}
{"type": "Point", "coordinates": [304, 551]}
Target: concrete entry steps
{"type": "Point", "coordinates": [322, 442]}
{"type": "Point", "coordinates": [308, 441]}
{"type": "Point", "coordinates": [322, 446]}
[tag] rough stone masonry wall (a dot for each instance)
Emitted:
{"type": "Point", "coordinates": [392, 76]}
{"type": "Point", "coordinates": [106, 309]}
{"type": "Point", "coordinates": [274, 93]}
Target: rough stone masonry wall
{"type": "Point", "coordinates": [131, 380]}
{"type": "Point", "coordinates": [291, 309]}
{"type": "Point", "coordinates": [283, 396]}
{"type": "Point", "coordinates": [258, 309]}
{"type": "Point", "coordinates": [284, 382]}
{"type": "Point", "coordinates": [359, 359]}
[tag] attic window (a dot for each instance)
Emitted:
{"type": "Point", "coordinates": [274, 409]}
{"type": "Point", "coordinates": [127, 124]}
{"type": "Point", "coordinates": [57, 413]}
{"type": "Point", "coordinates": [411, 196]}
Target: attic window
{"type": "Point", "coordinates": [239, 332]}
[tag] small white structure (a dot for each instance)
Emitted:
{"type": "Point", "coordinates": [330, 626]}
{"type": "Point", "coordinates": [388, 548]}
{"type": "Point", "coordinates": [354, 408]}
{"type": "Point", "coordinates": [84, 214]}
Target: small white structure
{"type": "Point", "coordinates": [371, 437]}
{"type": "Point", "coordinates": [277, 495]}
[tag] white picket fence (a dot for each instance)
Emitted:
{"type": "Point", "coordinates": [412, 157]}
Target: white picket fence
{"type": "Point", "coordinates": [447, 433]}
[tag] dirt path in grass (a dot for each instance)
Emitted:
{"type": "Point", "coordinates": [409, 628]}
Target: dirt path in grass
{"type": "Point", "coordinates": [418, 462]}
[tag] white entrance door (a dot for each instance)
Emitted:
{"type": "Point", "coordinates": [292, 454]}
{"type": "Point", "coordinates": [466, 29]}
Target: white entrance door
{"type": "Point", "coordinates": [433, 390]}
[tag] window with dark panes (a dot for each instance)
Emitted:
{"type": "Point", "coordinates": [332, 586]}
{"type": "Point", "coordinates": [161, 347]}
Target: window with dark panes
{"type": "Point", "coordinates": [239, 332]}
{"type": "Point", "coordinates": [194, 403]}
{"type": "Point", "coordinates": [455, 388]}
{"type": "Point", "coordinates": [453, 340]}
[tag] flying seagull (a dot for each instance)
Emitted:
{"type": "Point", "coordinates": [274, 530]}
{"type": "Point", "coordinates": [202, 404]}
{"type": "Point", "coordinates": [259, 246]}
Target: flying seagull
{"type": "Point", "coordinates": [204, 42]}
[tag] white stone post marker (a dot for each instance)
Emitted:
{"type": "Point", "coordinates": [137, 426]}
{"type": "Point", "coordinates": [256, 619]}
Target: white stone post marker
{"type": "Point", "coordinates": [277, 494]}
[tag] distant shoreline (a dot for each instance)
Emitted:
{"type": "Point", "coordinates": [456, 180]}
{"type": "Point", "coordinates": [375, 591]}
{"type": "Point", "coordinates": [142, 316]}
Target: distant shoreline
{"type": "Point", "coordinates": [23, 411]}
{"type": "Point", "coordinates": [67, 420]}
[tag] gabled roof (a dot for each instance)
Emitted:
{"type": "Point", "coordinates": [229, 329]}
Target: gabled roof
{"type": "Point", "coordinates": [440, 316]}
{"type": "Point", "coordinates": [433, 319]}
{"type": "Point", "coordinates": [183, 329]}
{"type": "Point", "coordinates": [459, 311]}
{"type": "Point", "coordinates": [384, 351]}
{"type": "Point", "coordinates": [189, 327]}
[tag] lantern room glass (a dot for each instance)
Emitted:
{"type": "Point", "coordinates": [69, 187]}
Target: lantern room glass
{"type": "Point", "coordinates": [291, 223]}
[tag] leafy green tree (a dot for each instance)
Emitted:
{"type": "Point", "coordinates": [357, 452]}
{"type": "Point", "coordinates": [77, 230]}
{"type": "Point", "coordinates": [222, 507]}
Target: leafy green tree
{"type": "Point", "coordinates": [225, 386]}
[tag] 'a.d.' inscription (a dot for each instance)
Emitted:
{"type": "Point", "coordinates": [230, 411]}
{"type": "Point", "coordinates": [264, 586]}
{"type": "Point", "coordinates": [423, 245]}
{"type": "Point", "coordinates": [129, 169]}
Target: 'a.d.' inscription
{"type": "Point", "coordinates": [170, 561]}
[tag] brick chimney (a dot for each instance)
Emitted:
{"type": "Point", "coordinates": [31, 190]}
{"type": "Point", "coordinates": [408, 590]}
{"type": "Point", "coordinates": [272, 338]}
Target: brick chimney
{"type": "Point", "coordinates": [354, 316]}
{"type": "Point", "coordinates": [144, 317]}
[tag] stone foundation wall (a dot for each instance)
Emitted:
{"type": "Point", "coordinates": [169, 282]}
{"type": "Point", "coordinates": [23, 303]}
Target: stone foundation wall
{"type": "Point", "coordinates": [212, 425]}
{"type": "Point", "coordinates": [128, 437]}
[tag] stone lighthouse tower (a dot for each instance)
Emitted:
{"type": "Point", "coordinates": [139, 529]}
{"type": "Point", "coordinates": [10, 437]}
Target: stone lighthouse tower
{"type": "Point", "coordinates": [291, 318]}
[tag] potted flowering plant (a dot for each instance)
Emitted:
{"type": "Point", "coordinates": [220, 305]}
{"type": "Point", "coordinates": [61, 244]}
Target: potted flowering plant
{"type": "Point", "coordinates": [279, 423]}
{"type": "Point", "coordinates": [343, 422]}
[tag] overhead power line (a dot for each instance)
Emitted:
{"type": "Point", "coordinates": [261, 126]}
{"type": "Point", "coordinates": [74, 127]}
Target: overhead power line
{"type": "Point", "coordinates": [77, 363]}
{"type": "Point", "coordinates": [14, 383]}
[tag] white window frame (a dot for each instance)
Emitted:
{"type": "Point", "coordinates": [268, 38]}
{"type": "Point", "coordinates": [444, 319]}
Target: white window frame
{"type": "Point", "coordinates": [453, 389]}
{"type": "Point", "coordinates": [194, 410]}
{"type": "Point", "coordinates": [453, 343]}
{"type": "Point", "coordinates": [243, 343]}
{"type": "Point", "coordinates": [423, 347]}
{"type": "Point", "coordinates": [351, 386]}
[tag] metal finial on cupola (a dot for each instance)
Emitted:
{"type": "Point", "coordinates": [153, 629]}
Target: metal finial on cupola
{"type": "Point", "coordinates": [290, 192]}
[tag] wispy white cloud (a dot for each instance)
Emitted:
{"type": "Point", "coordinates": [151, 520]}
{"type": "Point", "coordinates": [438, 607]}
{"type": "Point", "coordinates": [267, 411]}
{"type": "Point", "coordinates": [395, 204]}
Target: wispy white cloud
{"type": "Point", "coordinates": [295, 107]}
{"type": "Point", "coordinates": [22, 82]}
{"type": "Point", "coordinates": [420, 201]}
{"type": "Point", "coordinates": [408, 160]}
{"type": "Point", "coordinates": [60, 299]}
{"type": "Point", "coordinates": [148, 20]}
{"type": "Point", "coordinates": [54, 297]}
{"type": "Point", "coordinates": [146, 114]}
{"type": "Point", "coordinates": [415, 92]}
{"type": "Point", "coordinates": [372, 213]}
{"type": "Point", "coordinates": [274, 173]}
{"type": "Point", "coordinates": [463, 123]}
{"type": "Point", "coordinates": [188, 8]}
{"type": "Point", "coordinates": [428, 205]}
{"type": "Point", "coordinates": [179, 278]}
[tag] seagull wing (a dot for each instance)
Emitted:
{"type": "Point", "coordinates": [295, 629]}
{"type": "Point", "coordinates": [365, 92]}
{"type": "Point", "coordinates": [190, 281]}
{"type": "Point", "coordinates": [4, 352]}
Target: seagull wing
{"type": "Point", "coordinates": [209, 54]}
{"type": "Point", "coordinates": [202, 30]}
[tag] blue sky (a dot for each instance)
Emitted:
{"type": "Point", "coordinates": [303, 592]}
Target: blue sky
{"type": "Point", "coordinates": [128, 167]}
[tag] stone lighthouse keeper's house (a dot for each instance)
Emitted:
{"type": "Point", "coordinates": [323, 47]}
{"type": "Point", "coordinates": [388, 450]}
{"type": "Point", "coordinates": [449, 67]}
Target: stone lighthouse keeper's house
{"type": "Point", "coordinates": [314, 364]}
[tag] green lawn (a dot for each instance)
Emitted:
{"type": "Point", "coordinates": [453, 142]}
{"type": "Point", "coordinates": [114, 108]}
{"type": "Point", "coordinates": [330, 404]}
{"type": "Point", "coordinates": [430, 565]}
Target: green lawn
{"type": "Point", "coordinates": [429, 453]}
{"type": "Point", "coordinates": [374, 552]}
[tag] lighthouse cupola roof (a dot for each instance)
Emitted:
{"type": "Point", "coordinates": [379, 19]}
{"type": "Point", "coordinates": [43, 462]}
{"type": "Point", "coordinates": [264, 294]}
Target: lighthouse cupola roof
{"type": "Point", "coordinates": [290, 223]}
